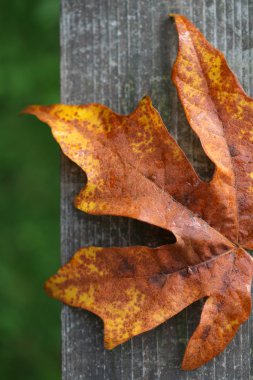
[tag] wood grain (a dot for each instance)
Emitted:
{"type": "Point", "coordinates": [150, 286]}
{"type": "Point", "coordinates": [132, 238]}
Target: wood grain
{"type": "Point", "coordinates": [114, 52]}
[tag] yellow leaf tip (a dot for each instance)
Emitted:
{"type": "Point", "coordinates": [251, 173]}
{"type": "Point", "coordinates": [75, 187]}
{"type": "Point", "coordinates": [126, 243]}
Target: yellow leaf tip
{"type": "Point", "coordinates": [146, 99]}
{"type": "Point", "coordinates": [47, 288]}
{"type": "Point", "coordinates": [174, 15]}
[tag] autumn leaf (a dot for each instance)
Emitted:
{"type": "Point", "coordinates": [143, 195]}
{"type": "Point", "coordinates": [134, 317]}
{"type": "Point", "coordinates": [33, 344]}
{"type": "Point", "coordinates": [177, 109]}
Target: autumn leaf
{"type": "Point", "coordinates": [136, 169]}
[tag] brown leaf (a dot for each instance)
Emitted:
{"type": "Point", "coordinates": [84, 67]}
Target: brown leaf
{"type": "Point", "coordinates": [221, 114]}
{"type": "Point", "coordinates": [136, 169]}
{"type": "Point", "coordinates": [137, 288]}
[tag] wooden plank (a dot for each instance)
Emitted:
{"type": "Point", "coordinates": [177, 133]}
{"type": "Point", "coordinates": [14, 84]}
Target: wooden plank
{"type": "Point", "coordinates": [114, 52]}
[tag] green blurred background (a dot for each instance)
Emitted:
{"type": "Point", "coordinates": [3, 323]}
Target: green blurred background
{"type": "Point", "coordinates": [29, 199]}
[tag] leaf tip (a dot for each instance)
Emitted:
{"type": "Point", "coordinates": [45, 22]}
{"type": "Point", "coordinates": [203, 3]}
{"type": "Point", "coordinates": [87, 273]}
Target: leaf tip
{"type": "Point", "coordinates": [29, 110]}
{"type": "Point", "coordinates": [48, 287]}
{"type": "Point", "coordinates": [108, 345]}
{"type": "Point", "coordinates": [174, 15]}
{"type": "Point", "coordinates": [189, 364]}
{"type": "Point", "coordinates": [147, 99]}
{"type": "Point", "coordinates": [26, 110]}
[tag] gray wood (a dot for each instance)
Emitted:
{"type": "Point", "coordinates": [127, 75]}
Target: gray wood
{"type": "Point", "coordinates": [114, 52]}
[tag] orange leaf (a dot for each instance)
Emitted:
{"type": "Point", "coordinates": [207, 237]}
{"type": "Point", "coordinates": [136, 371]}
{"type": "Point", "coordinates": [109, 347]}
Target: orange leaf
{"type": "Point", "coordinates": [135, 289]}
{"type": "Point", "coordinates": [136, 169]}
{"type": "Point", "coordinates": [221, 114]}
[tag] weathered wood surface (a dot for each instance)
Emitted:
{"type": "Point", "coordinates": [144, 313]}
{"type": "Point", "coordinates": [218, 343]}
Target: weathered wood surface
{"type": "Point", "coordinates": [114, 52]}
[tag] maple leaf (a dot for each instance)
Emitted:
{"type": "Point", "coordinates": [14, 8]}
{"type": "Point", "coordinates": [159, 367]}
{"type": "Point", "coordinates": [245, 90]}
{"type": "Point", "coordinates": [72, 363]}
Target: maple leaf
{"type": "Point", "coordinates": [136, 169]}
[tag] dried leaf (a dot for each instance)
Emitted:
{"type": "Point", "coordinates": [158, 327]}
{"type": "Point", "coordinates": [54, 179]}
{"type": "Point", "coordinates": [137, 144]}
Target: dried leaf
{"type": "Point", "coordinates": [136, 169]}
{"type": "Point", "coordinates": [221, 114]}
